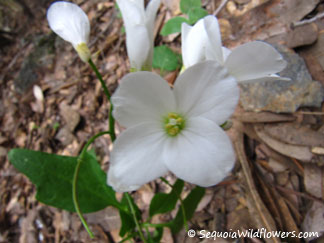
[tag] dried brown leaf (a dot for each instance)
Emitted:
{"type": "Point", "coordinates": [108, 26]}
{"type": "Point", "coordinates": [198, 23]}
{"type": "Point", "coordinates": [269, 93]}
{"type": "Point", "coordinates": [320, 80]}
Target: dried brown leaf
{"type": "Point", "coordinates": [295, 134]}
{"type": "Point", "coordinates": [258, 117]}
{"type": "Point", "coordinates": [314, 179]}
{"type": "Point", "coordinates": [314, 220]}
{"type": "Point", "coordinates": [299, 152]}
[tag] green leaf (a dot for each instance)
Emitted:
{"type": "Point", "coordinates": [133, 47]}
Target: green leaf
{"type": "Point", "coordinates": [127, 221]}
{"type": "Point", "coordinates": [190, 204]}
{"type": "Point", "coordinates": [157, 235]}
{"type": "Point", "coordinates": [165, 59]}
{"type": "Point", "coordinates": [52, 174]}
{"type": "Point", "coordinates": [163, 202]}
{"type": "Point", "coordinates": [187, 5]}
{"type": "Point", "coordinates": [173, 26]}
{"type": "Point", "coordinates": [195, 14]}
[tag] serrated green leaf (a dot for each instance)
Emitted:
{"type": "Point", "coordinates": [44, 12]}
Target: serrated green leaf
{"type": "Point", "coordinates": [187, 5]}
{"type": "Point", "coordinates": [165, 59]}
{"type": "Point", "coordinates": [52, 174]}
{"type": "Point", "coordinates": [163, 202]}
{"type": "Point", "coordinates": [195, 14]}
{"type": "Point", "coordinates": [190, 204]}
{"type": "Point", "coordinates": [173, 26]}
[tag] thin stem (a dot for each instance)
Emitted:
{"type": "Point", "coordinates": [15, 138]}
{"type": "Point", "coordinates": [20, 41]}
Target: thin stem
{"type": "Point", "coordinates": [106, 91]}
{"type": "Point", "coordinates": [155, 225]}
{"type": "Point", "coordinates": [139, 228]}
{"type": "Point", "coordinates": [104, 86]}
{"type": "Point", "coordinates": [75, 179]}
{"type": "Point", "coordinates": [184, 214]}
{"type": "Point", "coordinates": [181, 203]}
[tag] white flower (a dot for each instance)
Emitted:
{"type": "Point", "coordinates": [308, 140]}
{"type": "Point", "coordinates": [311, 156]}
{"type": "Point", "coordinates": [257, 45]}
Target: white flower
{"type": "Point", "coordinates": [175, 129]}
{"type": "Point", "coordinates": [70, 22]}
{"type": "Point", "coordinates": [253, 61]}
{"type": "Point", "coordinates": [139, 26]}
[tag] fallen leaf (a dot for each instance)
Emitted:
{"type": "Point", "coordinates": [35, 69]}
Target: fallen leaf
{"type": "Point", "coordinates": [314, 220]}
{"type": "Point", "coordinates": [302, 153]}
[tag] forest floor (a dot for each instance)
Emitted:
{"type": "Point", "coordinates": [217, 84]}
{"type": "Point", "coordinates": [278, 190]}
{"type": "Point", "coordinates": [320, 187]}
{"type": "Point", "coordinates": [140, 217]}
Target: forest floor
{"type": "Point", "coordinates": [277, 132]}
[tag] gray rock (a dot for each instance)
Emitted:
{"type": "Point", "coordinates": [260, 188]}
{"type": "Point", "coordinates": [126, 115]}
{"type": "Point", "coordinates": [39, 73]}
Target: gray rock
{"type": "Point", "coordinates": [284, 96]}
{"type": "Point", "coordinates": [40, 60]}
{"type": "Point", "coordinates": [65, 136]}
{"type": "Point", "coordinates": [70, 116]}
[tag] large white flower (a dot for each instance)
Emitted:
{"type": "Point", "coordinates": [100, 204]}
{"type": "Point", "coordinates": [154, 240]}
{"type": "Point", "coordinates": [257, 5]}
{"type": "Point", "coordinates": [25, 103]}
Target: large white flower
{"type": "Point", "coordinates": [175, 129]}
{"type": "Point", "coordinates": [70, 22]}
{"type": "Point", "coordinates": [139, 26]}
{"type": "Point", "coordinates": [253, 61]}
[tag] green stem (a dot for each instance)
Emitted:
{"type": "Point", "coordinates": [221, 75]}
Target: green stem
{"type": "Point", "coordinates": [181, 203]}
{"type": "Point", "coordinates": [146, 224]}
{"type": "Point", "coordinates": [139, 228]}
{"type": "Point", "coordinates": [104, 86]}
{"type": "Point", "coordinates": [75, 179]}
{"type": "Point", "coordinates": [106, 91]}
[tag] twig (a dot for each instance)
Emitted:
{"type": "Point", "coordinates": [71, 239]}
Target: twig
{"type": "Point", "coordinates": [308, 21]}
{"type": "Point", "coordinates": [223, 3]}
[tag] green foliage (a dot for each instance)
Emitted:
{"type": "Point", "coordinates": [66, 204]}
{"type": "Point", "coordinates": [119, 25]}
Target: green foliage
{"type": "Point", "coordinates": [173, 25]}
{"type": "Point", "coordinates": [195, 14]}
{"type": "Point", "coordinates": [163, 203]}
{"type": "Point", "coordinates": [157, 235]}
{"type": "Point", "coordinates": [190, 204]}
{"type": "Point", "coordinates": [194, 11]}
{"type": "Point", "coordinates": [127, 220]}
{"type": "Point", "coordinates": [165, 59]}
{"type": "Point", "coordinates": [52, 174]}
{"type": "Point", "coordinates": [187, 5]}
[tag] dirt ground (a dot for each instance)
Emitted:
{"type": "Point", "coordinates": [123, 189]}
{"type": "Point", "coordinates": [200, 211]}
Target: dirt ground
{"type": "Point", "coordinates": [278, 180]}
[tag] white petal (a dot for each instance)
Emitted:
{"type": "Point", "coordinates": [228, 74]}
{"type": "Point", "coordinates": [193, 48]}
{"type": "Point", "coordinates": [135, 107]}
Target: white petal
{"type": "Point", "coordinates": [226, 52]}
{"type": "Point", "coordinates": [132, 12]}
{"type": "Point", "coordinates": [254, 60]}
{"type": "Point", "coordinates": [202, 154]}
{"type": "Point", "coordinates": [194, 43]}
{"type": "Point", "coordinates": [185, 30]}
{"type": "Point", "coordinates": [151, 10]}
{"type": "Point", "coordinates": [141, 97]}
{"type": "Point", "coordinates": [69, 22]}
{"type": "Point", "coordinates": [138, 45]}
{"type": "Point", "coordinates": [137, 158]}
{"type": "Point", "coordinates": [272, 77]}
{"type": "Point", "coordinates": [213, 41]}
{"type": "Point", "coordinates": [206, 89]}
{"type": "Point", "coordinates": [139, 40]}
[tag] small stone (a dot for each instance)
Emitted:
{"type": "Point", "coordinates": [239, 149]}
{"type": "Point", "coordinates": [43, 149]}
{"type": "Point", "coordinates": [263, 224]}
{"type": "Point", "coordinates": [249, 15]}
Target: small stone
{"type": "Point", "coordinates": [40, 60]}
{"type": "Point", "coordinates": [70, 116]}
{"type": "Point", "coordinates": [65, 136]}
{"type": "Point", "coordinates": [284, 96]}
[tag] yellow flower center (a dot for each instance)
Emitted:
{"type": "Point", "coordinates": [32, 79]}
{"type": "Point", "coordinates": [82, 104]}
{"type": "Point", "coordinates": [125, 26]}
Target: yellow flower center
{"type": "Point", "coordinates": [173, 124]}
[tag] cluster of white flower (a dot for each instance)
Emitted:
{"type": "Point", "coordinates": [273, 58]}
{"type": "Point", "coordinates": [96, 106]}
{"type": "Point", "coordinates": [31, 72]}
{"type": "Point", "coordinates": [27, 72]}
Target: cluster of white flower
{"type": "Point", "coordinates": [176, 129]}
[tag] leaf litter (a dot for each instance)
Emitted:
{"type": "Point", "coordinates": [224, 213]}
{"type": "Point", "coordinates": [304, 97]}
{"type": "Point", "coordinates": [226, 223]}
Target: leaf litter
{"type": "Point", "coordinates": [278, 179]}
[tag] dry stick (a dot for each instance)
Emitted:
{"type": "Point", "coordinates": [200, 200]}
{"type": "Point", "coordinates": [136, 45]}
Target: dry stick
{"type": "Point", "coordinates": [262, 210]}
{"type": "Point", "coordinates": [308, 21]}
{"type": "Point", "coordinates": [299, 194]}
{"type": "Point", "coordinates": [220, 7]}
